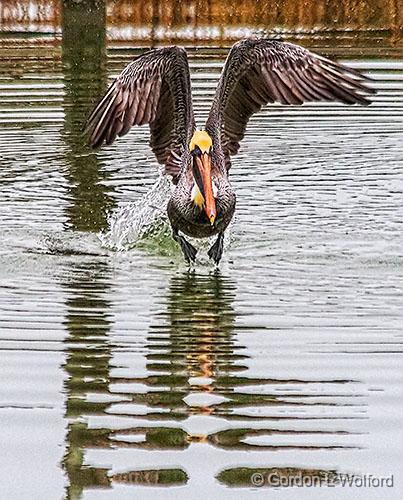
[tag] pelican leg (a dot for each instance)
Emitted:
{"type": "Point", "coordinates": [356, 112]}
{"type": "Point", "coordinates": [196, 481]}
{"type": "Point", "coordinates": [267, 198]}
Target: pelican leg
{"type": "Point", "coordinates": [188, 250]}
{"type": "Point", "coordinates": [216, 250]}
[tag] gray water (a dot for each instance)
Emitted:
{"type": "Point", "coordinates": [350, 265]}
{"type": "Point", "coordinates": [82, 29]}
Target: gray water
{"type": "Point", "coordinates": [124, 375]}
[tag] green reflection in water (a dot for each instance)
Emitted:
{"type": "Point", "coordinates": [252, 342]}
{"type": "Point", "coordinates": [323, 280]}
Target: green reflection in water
{"type": "Point", "coordinates": [84, 61]}
{"type": "Point", "coordinates": [88, 352]}
{"type": "Point", "coordinates": [87, 366]}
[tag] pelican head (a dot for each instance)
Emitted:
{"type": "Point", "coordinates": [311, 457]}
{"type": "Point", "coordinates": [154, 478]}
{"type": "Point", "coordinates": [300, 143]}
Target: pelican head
{"type": "Point", "coordinates": [202, 195]}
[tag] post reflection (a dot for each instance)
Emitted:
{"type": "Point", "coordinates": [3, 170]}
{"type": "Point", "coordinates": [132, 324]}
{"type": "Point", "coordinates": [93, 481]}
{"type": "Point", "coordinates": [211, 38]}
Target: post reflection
{"type": "Point", "coordinates": [87, 366]}
{"type": "Point", "coordinates": [84, 67]}
{"type": "Point", "coordinates": [88, 352]}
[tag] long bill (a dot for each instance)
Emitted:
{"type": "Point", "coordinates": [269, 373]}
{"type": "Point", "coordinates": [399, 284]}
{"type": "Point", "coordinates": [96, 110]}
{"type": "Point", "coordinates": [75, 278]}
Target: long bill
{"type": "Point", "coordinates": [206, 187]}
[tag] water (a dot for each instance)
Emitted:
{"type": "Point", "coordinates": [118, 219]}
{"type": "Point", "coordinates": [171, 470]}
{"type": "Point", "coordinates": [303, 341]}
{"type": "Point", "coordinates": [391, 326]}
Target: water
{"type": "Point", "coordinates": [122, 373]}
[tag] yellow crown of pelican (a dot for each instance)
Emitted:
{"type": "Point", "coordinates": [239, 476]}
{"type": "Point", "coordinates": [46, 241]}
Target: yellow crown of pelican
{"type": "Point", "coordinates": [201, 139]}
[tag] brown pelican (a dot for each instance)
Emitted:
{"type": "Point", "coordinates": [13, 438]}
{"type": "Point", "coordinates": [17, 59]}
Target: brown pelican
{"type": "Point", "coordinates": [155, 89]}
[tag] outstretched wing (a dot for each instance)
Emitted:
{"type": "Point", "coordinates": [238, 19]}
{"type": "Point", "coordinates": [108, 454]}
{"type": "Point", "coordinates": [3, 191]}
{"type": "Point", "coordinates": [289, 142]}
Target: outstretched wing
{"type": "Point", "coordinates": [154, 89]}
{"type": "Point", "coordinates": [259, 71]}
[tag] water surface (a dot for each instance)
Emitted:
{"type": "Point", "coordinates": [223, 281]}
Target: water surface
{"type": "Point", "coordinates": [125, 375]}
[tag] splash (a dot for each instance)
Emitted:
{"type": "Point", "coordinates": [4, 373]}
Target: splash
{"type": "Point", "coordinates": [145, 224]}
{"type": "Point", "coordinates": [132, 223]}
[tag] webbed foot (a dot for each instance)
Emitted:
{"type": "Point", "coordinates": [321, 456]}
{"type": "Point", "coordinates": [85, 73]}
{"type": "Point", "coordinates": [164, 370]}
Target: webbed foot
{"type": "Point", "coordinates": [216, 250]}
{"type": "Point", "coordinates": [188, 250]}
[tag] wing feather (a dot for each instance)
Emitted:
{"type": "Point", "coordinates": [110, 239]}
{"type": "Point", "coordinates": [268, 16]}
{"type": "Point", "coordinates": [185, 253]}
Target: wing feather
{"type": "Point", "coordinates": [259, 71]}
{"type": "Point", "coordinates": [153, 89]}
